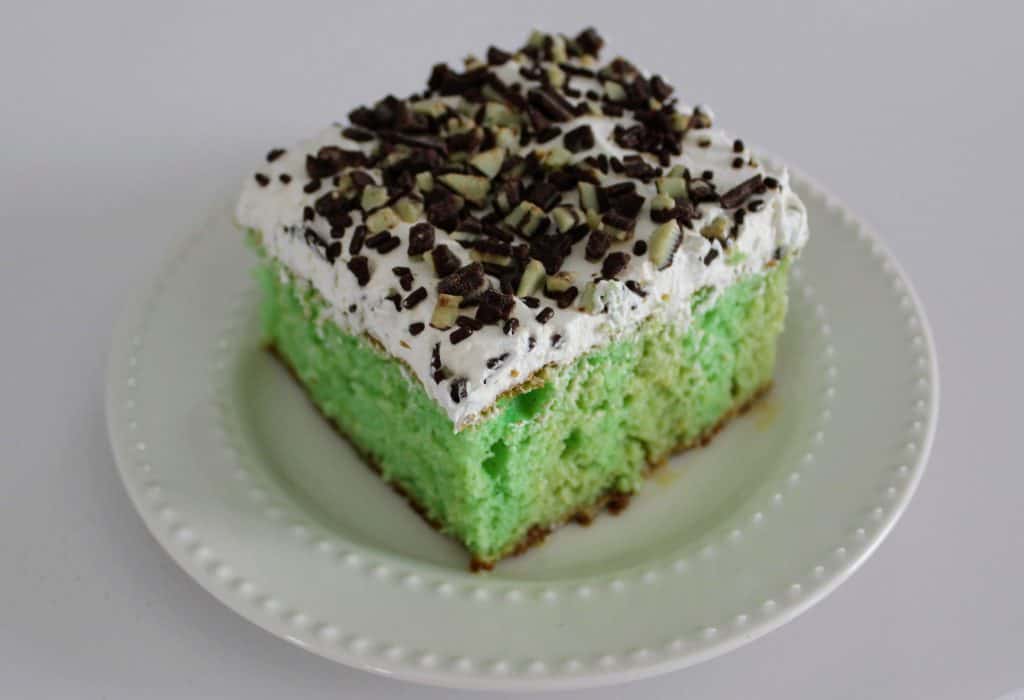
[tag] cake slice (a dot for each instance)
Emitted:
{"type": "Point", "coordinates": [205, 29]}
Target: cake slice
{"type": "Point", "coordinates": [518, 290]}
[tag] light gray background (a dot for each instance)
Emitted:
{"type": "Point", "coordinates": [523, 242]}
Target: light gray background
{"type": "Point", "coordinates": [117, 121]}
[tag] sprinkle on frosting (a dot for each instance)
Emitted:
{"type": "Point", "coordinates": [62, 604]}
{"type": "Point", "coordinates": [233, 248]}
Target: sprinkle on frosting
{"type": "Point", "coordinates": [541, 178]}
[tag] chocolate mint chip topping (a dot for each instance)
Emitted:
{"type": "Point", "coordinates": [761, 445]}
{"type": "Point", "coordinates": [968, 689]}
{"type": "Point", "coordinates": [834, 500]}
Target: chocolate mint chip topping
{"type": "Point", "coordinates": [460, 334]}
{"type": "Point", "coordinates": [415, 298]}
{"type": "Point", "coordinates": [738, 194]}
{"type": "Point", "coordinates": [580, 139]}
{"type": "Point", "coordinates": [614, 264]}
{"type": "Point", "coordinates": [360, 267]}
{"type": "Point", "coordinates": [445, 261]}
{"type": "Point", "coordinates": [356, 244]}
{"type": "Point", "coordinates": [464, 282]}
{"type": "Point", "coordinates": [500, 166]}
{"type": "Point", "coordinates": [597, 245]}
{"type": "Point", "coordinates": [405, 277]}
{"type": "Point", "coordinates": [421, 238]}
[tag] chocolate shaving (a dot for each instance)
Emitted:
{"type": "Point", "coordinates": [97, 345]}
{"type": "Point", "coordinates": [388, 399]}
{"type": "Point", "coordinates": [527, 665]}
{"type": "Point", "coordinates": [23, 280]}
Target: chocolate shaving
{"type": "Point", "coordinates": [552, 250]}
{"type": "Point", "coordinates": [628, 205]}
{"type": "Point", "coordinates": [356, 134]}
{"type": "Point", "coordinates": [448, 82]}
{"type": "Point", "coordinates": [467, 141]}
{"type": "Point", "coordinates": [360, 267]}
{"type": "Point", "coordinates": [404, 276]}
{"type": "Point", "coordinates": [331, 204]}
{"type": "Point", "coordinates": [421, 238]}
{"type": "Point", "coordinates": [660, 89]}
{"type": "Point", "coordinates": [597, 245]}
{"type": "Point", "coordinates": [590, 41]}
{"type": "Point", "coordinates": [637, 167]}
{"type": "Point", "coordinates": [378, 239]}
{"type": "Point", "coordinates": [614, 264]}
{"type": "Point", "coordinates": [356, 244]}
{"type": "Point", "coordinates": [468, 322]}
{"type": "Point", "coordinates": [494, 306]}
{"type": "Point", "coordinates": [361, 178]}
{"type": "Point", "coordinates": [543, 194]}
{"type": "Point", "coordinates": [551, 104]}
{"type": "Point", "coordinates": [497, 57]}
{"type": "Point", "coordinates": [464, 282]}
{"type": "Point", "coordinates": [415, 298]}
{"type": "Point", "coordinates": [605, 195]}
{"type": "Point", "coordinates": [566, 298]}
{"type": "Point", "coordinates": [443, 209]}
{"type": "Point", "coordinates": [618, 221]}
{"type": "Point", "coordinates": [579, 139]}
{"type": "Point", "coordinates": [390, 244]}
{"type": "Point", "coordinates": [739, 193]}
{"type": "Point", "coordinates": [445, 261]}
{"type": "Point", "coordinates": [331, 159]}
{"type": "Point", "coordinates": [460, 334]}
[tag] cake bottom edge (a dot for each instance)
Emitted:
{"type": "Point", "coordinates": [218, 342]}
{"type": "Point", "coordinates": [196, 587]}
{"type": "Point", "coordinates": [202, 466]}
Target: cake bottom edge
{"type": "Point", "coordinates": [614, 501]}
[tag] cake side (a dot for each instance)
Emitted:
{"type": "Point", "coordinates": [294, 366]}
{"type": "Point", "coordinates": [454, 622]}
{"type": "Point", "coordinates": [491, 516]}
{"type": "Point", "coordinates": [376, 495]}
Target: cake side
{"type": "Point", "coordinates": [588, 431]}
{"type": "Point", "coordinates": [518, 214]}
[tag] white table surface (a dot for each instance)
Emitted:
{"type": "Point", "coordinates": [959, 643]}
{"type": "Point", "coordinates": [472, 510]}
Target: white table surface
{"type": "Point", "coordinates": [118, 121]}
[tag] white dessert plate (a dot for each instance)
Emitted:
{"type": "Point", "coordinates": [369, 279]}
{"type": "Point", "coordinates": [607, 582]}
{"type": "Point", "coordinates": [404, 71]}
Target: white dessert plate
{"type": "Point", "coordinates": [256, 497]}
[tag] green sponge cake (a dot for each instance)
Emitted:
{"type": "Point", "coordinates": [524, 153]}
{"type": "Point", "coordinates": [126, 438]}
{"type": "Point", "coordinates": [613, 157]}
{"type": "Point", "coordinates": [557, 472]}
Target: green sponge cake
{"type": "Point", "coordinates": [519, 289]}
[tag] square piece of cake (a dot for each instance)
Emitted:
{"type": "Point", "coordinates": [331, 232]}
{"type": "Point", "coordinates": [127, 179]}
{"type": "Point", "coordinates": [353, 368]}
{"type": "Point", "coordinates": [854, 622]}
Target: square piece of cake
{"type": "Point", "coordinates": [518, 290]}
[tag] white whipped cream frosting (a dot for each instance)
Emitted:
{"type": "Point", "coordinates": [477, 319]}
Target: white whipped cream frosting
{"type": "Point", "coordinates": [276, 211]}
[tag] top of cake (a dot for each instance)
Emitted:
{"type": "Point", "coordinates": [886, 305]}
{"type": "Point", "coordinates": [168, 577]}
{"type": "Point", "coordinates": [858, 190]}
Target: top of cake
{"type": "Point", "coordinates": [518, 213]}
